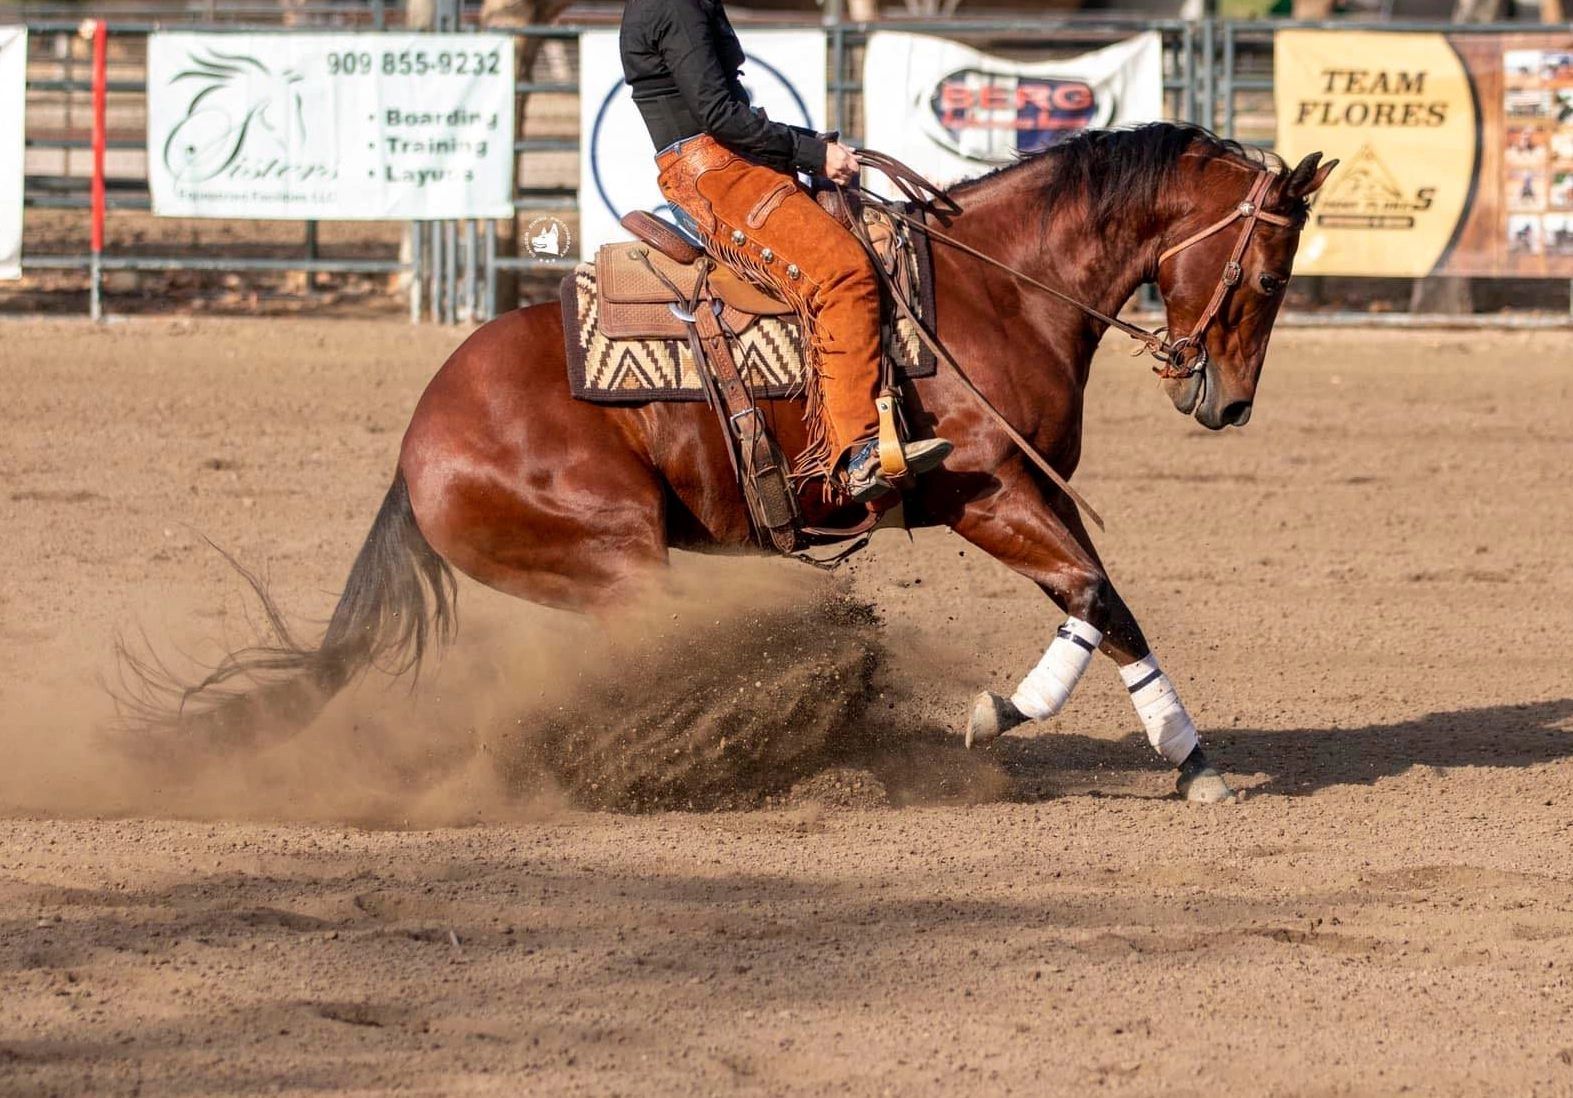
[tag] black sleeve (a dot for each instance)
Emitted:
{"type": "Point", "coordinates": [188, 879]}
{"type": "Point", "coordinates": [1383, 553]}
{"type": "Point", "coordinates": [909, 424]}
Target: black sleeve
{"type": "Point", "coordinates": [690, 53]}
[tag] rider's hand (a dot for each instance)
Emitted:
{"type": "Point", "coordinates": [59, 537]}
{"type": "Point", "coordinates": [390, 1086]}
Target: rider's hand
{"type": "Point", "coordinates": [841, 163]}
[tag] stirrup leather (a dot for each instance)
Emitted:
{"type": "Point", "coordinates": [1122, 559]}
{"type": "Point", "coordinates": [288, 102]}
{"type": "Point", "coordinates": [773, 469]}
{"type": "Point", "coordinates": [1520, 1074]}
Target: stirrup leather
{"type": "Point", "coordinates": [892, 455]}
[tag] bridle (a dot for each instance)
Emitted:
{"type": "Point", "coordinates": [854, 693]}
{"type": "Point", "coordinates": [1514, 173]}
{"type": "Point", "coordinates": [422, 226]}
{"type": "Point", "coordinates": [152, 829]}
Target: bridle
{"type": "Point", "coordinates": [1176, 359]}
{"type": "Point", "coordinates": [1187, 355]}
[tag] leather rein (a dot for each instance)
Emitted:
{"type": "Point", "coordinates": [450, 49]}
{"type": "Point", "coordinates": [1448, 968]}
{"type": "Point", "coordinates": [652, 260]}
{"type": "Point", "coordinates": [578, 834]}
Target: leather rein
{"type": "Point", "coordinates": [1175, 359]}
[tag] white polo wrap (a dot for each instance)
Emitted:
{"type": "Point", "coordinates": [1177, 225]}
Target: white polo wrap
{"type": "Point", "coordinates": [1047, 686]}
{"type": "Point", "coordinates": [1169, 727]}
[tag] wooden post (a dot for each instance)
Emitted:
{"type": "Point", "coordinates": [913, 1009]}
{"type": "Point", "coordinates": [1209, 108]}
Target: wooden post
{"type": "Point", "coordinates": [501, 15]}
{"type": "Point", "coordinates": [95, 297]}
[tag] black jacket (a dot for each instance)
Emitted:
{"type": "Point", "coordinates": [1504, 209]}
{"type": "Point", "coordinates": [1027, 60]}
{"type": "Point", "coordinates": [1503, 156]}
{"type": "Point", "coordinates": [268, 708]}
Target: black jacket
{"type": "Point", "coordinates": [681, 58]}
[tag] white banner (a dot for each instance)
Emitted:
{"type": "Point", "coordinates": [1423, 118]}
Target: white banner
{"type": "Point", "coordinates": [332, 126]}
{"type": "Point", "coordinates": [13, 108]}
{"type": "Point", "coordinates": [952, 112]}
{"type": "Point", "coordinates": [784, 74]}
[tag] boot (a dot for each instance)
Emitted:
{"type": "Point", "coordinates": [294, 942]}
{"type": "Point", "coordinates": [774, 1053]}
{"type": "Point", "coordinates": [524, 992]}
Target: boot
{"type": "Point", "coordinates": [864, 480]}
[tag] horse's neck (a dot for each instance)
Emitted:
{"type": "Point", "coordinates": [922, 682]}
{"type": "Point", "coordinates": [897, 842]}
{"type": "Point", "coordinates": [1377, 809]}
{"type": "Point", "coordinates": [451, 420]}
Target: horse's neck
{"type": "Point", "coordinates": [1100, 266]}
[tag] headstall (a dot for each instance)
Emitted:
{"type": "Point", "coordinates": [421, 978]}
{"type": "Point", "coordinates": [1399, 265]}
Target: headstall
{"type": "Point", "coordinates": [1182, 358]}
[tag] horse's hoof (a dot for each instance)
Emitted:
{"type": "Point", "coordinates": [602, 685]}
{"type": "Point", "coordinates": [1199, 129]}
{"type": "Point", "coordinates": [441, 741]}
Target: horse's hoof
{"type": "Point", "coordinates": [992, 716]}
{"type": "Point", "coordinates": [1205, 786]}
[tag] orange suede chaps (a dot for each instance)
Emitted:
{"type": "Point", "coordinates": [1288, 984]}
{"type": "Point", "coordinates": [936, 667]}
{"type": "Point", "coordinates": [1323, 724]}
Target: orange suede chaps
{"type": "Point", "coordinates": [768, 227]}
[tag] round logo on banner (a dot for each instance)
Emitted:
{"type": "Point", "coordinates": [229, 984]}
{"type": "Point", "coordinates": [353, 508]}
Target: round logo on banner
{"type": "Point", "coordinates": [547, 238]}
{"type": "Point", "coordinates": [622, 161]}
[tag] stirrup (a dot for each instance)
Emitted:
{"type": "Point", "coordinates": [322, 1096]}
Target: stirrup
{"type": "Point", "coordinates": [866, 478]}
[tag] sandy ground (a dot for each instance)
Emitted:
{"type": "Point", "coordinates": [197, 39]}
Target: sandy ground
{"type": "Point", "coordinates": [1366, 597]}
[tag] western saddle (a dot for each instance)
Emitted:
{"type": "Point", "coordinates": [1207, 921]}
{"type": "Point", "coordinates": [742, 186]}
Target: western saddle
{"type": "Point", "coordinates": [660, 286]}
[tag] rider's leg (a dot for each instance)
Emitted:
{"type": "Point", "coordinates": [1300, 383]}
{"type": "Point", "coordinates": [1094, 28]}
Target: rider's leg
{"type": "Point", "coordinates": [764, 223]}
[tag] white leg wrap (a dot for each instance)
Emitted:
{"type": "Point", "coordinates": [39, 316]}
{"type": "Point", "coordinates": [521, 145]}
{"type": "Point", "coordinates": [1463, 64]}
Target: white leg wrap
{"type": "Point", "coordinates": [1044, 691]}
{"type": "Point", "coordinates": [1169, 727]}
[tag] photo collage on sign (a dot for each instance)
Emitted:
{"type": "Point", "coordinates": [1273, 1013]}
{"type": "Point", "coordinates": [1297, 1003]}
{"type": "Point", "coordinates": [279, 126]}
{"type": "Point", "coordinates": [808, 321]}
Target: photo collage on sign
{"type": "Point", "coordinates": [1538, 157]}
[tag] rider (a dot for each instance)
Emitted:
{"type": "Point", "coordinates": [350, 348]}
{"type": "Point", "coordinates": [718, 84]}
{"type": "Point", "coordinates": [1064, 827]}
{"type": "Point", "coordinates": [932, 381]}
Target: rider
{"type": "Point", "coordinates": [730, 174]}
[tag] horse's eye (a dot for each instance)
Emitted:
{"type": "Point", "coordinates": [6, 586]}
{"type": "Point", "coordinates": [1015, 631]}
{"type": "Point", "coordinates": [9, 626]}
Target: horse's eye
{"type": "Point", "coordinates": [1270, 284]}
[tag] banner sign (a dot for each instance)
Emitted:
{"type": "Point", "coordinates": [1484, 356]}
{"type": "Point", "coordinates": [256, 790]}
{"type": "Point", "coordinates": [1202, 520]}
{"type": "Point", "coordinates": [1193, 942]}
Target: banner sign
{"type": "Point", "coordinates": [784, 73]}
{"type": "Point", "coordinates": [13, 100]}
{"type": "Point", "coordinates": [1457, 151]}
{"type": "Point", "coordinates": [952, 112]}
{"type": "Point", "coordinates": [330, 126]}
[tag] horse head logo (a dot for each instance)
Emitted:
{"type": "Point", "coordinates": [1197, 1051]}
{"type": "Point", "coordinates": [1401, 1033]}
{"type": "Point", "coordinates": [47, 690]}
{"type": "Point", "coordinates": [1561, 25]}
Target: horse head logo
{"type": "Point", "coordinates": [238, 100]}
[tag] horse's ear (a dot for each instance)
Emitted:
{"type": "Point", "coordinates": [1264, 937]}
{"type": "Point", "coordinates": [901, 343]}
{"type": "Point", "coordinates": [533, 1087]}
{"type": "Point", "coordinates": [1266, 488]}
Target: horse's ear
{"type": "Point", "coordinates": [1307, 177]}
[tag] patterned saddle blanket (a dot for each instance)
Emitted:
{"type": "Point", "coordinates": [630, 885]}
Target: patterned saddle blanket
{"type": "Point", "coordinates": [626, 346]}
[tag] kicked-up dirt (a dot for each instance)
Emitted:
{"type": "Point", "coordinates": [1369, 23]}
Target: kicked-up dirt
{"type": "Point", "coordinates": [729, 843]}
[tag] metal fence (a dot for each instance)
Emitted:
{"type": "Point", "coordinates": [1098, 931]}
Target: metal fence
{"type": "Point", "coordinates": [1217, 73]}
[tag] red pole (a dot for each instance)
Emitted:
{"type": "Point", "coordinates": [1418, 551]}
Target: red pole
{"type": "Point", "coordinates": [100, 89]}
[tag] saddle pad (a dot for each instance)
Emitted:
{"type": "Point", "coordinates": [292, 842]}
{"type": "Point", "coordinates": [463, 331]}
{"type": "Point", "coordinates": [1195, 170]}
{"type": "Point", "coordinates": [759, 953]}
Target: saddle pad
{"type": "Point", "coordinates": [610, 370]}
{"type": "Point", "coordinates": [605, 369]}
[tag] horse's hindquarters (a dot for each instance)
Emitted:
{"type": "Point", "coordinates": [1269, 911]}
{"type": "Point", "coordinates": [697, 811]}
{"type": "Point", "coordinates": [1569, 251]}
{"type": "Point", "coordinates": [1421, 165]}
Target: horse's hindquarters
{"type": "Point", "coordinates": [521, 487]}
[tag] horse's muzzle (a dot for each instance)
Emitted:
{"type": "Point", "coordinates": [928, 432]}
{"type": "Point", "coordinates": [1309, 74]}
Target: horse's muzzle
{"type": "Point", "coordinates": [1216, 410]}
{"type": "Point", "coordinates": [1185, 392]}
{"type": "Point", "coordinates": [1202, 394]}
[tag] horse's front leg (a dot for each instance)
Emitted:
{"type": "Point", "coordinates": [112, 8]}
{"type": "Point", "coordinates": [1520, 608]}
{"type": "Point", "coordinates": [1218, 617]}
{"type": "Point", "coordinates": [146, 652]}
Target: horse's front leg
{"type": "Point", "coordinates": [1022, 531]}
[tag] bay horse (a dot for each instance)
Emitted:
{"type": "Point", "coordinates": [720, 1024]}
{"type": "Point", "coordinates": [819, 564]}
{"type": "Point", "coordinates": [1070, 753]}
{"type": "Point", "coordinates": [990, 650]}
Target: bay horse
{"type": "Point", "coordinates": [505, 477]}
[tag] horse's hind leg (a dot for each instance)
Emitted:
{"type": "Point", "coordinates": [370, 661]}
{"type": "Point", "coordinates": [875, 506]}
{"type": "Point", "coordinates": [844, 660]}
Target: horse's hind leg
{"type": "Point", "coordinates": [574, 555]}
{"type": "Point", "coordinates": [525, 489]}
{"type": "Point", "coordinates": [1053, 550]}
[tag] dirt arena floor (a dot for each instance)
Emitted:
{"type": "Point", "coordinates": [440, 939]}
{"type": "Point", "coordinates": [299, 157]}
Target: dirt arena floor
{"type": "Point", "coordinates": [731, 844]}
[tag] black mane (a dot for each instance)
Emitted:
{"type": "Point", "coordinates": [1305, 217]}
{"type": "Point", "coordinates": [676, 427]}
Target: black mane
{"type": "Point", "coordinates": [1121, 169]}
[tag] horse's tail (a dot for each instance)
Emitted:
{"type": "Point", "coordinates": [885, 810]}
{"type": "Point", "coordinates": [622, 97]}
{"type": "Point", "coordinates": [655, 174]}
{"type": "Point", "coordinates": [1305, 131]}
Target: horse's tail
{"type": "Point", "coordinates": [397, 601]}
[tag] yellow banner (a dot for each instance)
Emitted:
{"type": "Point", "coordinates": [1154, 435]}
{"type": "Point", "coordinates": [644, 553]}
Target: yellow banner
{"type": "Point", "coordinates": [1398, 111]}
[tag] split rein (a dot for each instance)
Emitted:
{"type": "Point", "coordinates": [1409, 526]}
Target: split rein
{"type": "Point", "coordinates": [1175, 359]}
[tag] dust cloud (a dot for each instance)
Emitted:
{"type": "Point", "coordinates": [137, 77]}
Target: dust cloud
{"type": "Point", "coordinates": [737, 683]}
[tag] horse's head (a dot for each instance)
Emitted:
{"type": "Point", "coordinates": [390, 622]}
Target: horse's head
{"type": "Point", "coordinates": [1222, 275]}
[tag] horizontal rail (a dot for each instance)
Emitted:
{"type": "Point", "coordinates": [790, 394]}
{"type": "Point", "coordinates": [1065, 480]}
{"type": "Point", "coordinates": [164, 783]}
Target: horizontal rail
{"type": "Point", "coordinates": [1344, 318]}
{"type": "Point", "coordinates": [533, 263]}
{"type": "Point", "coordinates": [547, 144]}
{"type": "Point", "coordinates": [1391, 26]}
{"type": "Point", "coordinates": [1219, 68]}
{"type": "Point", "coordinates": [216, 263]}
{"type": "Point", "coordinates": [117, 145]}
{"type": "Point", "coordinates": [86, 85]}
{"type": "Point", "coordinates": [80, 202]}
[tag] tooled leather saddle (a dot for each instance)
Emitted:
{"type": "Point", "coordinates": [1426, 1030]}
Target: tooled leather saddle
{"type": "Point", "coordinates": [662, 287]}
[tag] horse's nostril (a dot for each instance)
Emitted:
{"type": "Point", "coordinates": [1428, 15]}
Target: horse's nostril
{"type": "Point", "coordinates": [1238, 413]}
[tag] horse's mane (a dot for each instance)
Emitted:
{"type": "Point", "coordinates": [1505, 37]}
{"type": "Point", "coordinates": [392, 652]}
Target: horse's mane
{"type": "Point", "coordinates": [1124, 169]}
